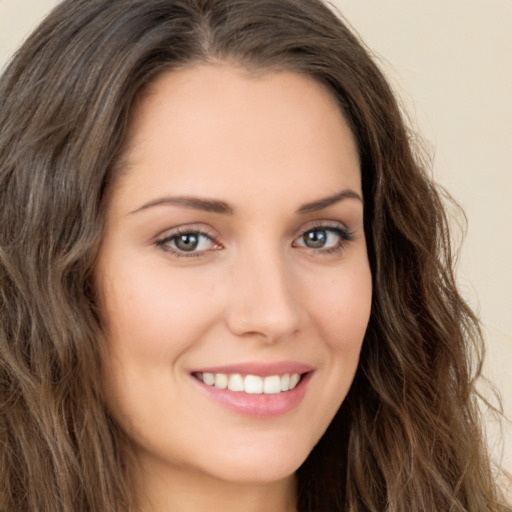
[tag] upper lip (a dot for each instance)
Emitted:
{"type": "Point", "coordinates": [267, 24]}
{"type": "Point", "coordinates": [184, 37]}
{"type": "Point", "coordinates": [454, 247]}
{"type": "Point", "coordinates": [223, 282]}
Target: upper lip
{"type": "Point", "coordinates": [259, 368]}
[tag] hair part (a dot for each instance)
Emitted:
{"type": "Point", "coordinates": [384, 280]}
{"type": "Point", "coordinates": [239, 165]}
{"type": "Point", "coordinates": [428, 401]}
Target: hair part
{"type": "Point", "coordinates": [408, 436]}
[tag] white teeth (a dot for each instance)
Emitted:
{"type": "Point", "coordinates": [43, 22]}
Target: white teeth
{"type": "Point", "coordinates": [209, 378]}
{"type": "Point", "coordinates": [272, 385]}
{"type": "Point", "coordinates": [221, 380]}
{"type": "Point", "coordinates": [285, 382]}
{"type": "Point", "coordinates": [236, 382]}
{"type": "Point", "coordinates": [294, 380]}
{"type": "Point", "coordinates": [252, 384]}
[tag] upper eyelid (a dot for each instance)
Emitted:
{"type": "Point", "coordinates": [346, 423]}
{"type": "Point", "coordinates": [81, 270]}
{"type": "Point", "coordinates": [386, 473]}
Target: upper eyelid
{"type": "Point", "coordinates": [213, 234]}
{"type": "Point", "coordinates": [187, 228]}
{"type": "Point", "coordinates": [340, 231]}
{"type": "Point", "coordinates": [210, 232]}
{"type": "Point", "coordinates": [175, 234]}
{"type": "Point", "coordinates": [321, 224]}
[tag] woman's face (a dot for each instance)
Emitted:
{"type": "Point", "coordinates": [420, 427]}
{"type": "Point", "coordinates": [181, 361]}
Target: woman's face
{"type": "Point", "coordinates": [234, 255]}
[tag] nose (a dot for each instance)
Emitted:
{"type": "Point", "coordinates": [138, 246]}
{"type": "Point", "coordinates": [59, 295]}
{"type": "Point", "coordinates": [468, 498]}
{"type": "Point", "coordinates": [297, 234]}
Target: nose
{"type": "Point", "coordinates": [262, 301]}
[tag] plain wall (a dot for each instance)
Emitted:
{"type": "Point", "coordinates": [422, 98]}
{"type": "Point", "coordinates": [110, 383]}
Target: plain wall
{"type": "Point", "coordinates": [450, 61]}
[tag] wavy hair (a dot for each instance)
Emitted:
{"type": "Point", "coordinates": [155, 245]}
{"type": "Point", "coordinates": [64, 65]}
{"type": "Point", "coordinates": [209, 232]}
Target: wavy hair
{"type": "Point", "coordinates": [407, 438]}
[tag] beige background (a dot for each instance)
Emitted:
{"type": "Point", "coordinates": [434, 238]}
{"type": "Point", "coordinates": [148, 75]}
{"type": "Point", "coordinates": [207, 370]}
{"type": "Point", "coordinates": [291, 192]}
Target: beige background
{"type": "Point", "coordinates": [450, 61]}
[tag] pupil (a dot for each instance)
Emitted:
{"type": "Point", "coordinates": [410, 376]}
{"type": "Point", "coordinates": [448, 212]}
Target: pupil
{"type": "Point", "coordinates": [315, 239]}
{"type": "Point", "coordinates": [187, 242]}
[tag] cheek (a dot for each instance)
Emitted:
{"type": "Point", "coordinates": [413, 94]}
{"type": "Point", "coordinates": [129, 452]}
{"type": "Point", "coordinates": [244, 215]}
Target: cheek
{"type": "Point", "coordinates": [153, 318]}
{"type": "Point", "coordinates": [341, 308]}
{"type": "Point", "coordinates": [339, 311]}
{"type": "Point", "coordinates": [154, 312]}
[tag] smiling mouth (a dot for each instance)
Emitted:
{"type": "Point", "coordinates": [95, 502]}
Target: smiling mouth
{"type": "Point", "coordinates": [250, 384]}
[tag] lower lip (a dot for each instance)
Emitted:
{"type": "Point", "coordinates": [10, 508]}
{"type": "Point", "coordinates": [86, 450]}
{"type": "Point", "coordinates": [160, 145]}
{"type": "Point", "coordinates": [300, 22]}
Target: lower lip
{"type": "Point", "coordinates": [259, 405]}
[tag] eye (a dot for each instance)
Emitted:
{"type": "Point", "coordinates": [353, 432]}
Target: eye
{"type": "Point", "coordinates": [187, 243]}
{"type": "Point", "coordinates": [325, 238]}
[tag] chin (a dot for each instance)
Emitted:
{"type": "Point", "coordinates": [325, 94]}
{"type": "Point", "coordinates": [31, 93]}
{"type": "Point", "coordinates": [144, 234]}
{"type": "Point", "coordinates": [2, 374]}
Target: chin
{"type": "Point", "coordinates": [260, 465]}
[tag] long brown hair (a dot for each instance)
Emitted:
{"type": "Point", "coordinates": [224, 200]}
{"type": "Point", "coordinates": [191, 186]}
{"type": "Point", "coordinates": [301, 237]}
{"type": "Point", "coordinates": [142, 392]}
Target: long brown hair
{"type": "Point", "coordinates": [408, 436]}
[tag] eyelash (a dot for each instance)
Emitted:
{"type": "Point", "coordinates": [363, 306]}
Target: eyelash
{"type": "Point", "coordinates": [163, 243]}
{"type": "Point", "coordinates": [343, 234]}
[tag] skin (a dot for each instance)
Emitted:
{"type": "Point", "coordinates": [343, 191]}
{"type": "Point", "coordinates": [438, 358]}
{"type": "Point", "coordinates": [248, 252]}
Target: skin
{"type": "Point", "coordinates": [252, 291]}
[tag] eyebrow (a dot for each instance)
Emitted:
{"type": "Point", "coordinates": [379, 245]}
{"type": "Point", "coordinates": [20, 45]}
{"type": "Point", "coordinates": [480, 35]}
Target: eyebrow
{"type": "Point", "coordinates": [216, 206]}
{"type": "Point", "coordinates": [194, 203]}
{"type": "Point", "coordinates": [320, 204]}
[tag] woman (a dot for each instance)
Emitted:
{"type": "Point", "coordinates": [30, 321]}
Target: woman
{"type": "Point", "coordinates": [226, 279]}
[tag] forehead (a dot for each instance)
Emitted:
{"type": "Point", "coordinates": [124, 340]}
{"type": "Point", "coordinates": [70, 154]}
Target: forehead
{"type": "Point", "coordinates": [203, 128]}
